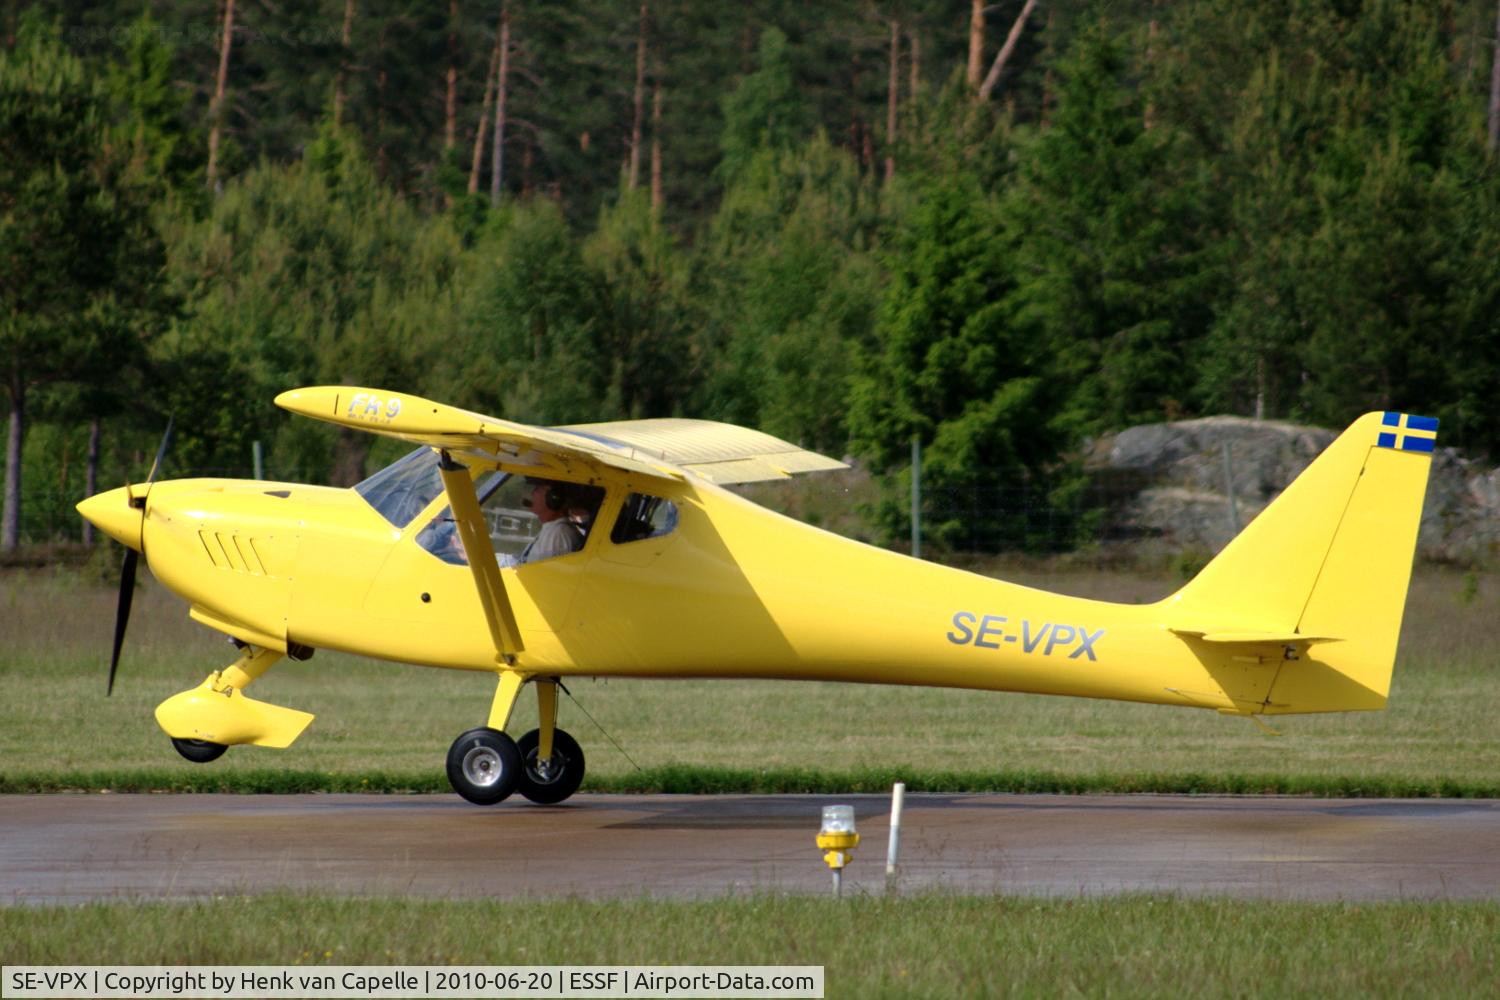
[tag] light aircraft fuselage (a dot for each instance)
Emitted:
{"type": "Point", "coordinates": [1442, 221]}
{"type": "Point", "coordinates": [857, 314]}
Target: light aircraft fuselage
{"type": "Point", "coordinates": [1299, 614]}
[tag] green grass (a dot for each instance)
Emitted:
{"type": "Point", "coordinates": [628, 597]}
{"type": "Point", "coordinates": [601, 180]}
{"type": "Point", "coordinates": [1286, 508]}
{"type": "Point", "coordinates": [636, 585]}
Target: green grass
{"type": "Point", "coordinates": [1131, 946]}
{"type": "Point", "coordinates": [387, 726]}
{"type": "Point", "coordinates": [699, 780]}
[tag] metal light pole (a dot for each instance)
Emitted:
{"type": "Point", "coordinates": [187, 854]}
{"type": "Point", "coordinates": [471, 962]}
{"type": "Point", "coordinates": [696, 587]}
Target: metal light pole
{"type": "Point", "coordinates": [916, 497]}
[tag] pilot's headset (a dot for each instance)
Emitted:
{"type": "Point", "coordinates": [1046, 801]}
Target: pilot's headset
{"type": "Point", "coordinates": [556, 497]}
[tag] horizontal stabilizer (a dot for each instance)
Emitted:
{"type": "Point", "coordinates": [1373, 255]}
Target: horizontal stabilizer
{"type": "Point", "coordinates": [1242, 637]}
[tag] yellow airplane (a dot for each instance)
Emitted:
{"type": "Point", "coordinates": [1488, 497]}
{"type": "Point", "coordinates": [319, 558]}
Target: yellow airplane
{"type": "Point", "coordinates": [613, 550]}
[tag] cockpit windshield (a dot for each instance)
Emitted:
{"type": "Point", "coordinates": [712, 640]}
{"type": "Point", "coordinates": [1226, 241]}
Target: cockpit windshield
{"type": "Point", "coordinates": [403, 489]}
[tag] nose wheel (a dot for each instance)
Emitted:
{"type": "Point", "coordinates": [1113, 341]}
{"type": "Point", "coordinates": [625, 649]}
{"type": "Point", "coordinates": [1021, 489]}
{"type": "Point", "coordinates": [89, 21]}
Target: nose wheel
{"type": "Point", "coordinates": [484, 766]}
{"type": "Point", "coordinates": [549, 781]}
{"type": "Point", "coordinates": [199, 751]}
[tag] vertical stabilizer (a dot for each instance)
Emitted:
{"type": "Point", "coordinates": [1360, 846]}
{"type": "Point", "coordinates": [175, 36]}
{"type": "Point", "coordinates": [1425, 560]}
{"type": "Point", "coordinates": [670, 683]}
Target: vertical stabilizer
{"type": "Point", "coordinates": [1329, 558]}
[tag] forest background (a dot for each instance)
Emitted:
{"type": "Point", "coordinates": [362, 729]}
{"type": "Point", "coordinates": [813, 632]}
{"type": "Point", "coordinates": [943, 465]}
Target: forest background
{"type": "Point", "coordinates": [998, 229]}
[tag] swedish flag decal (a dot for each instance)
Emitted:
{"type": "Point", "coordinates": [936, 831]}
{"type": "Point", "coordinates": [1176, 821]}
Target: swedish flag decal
{"type": "Point", "coordinates": [1407, 432]}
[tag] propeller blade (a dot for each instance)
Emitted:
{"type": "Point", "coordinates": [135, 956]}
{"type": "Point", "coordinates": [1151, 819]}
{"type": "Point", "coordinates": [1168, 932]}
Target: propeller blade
{"type": "Point", "coordinates": [161, 453]}
{"type": "Point", "coordinates": [122, 613]}
{"type": "Point", "coordinates": [127, 569]}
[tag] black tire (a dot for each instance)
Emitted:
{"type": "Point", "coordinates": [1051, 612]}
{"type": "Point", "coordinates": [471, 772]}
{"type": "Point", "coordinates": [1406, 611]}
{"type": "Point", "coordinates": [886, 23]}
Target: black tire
{"type": "Point", "coordinates": [549, 786]}
{"type": "Point", "coordinates": [483, 766]}
{"type": "Point", "coordinates": [199, 751]}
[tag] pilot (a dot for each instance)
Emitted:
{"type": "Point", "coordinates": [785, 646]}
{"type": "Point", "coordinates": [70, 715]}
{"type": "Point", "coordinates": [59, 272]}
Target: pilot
{"type": "Point", "coordinates": [553, 504]}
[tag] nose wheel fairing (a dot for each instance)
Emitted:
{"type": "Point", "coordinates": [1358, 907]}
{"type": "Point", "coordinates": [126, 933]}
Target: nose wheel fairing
{"type": "Point", "coordinates": [218, 714]}
{"type": "Point", "coordinates": [218, 710]}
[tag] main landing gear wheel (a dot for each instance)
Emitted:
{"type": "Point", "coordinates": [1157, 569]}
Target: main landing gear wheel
{"type": "Point", "coordinates": [199, 751]}
{"type": "Point", "coordinates": [548, 782]}
{"type": "Point", "coordinates": [484, 765]}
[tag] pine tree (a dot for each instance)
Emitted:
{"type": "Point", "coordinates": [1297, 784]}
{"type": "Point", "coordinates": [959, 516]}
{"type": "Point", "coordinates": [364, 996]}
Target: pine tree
{"type": "Point", "coordinates": [765, 110]}
{"type": "Point", "coordinates": [78, 252]}
{"type": "Point", "coordinates": [1110, 258]}
{"type": "Point", "coordinates": [1350, 237]}
{"type": "Point", "coordinates": [308, 274]}
{"type": "Point", "coordinates": [953, 368]}
{"type": "Point", "coordinates": [790, 291]}
{"type": "Point", "coordinates": [644, 314]}
{"type": "Point", "coordinates": [149, 112]}
{"type": "Point", "coordinates": [530, 348]}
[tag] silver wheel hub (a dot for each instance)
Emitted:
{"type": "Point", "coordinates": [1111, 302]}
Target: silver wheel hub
{"type": "Point", "coordinates": [482, 766]}
{"type": "Point", "coordinates": [544, 769]}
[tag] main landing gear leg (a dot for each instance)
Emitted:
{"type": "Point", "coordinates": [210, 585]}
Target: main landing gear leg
{"type": "Point", "coordinates": [546, 716]}
{"type": "Point", "coordinates": [483, 763]}
{"type": "Point", "coordinates": [551, 760]}
{"type": "Point", "coordinates": [546, 765]}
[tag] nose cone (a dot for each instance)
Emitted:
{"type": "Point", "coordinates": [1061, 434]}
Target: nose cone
{"type": "Point", "coordinates": [112, 514]}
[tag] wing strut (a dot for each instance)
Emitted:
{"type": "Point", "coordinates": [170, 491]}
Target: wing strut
{"type": "Point", "coordinates": [459, 486]}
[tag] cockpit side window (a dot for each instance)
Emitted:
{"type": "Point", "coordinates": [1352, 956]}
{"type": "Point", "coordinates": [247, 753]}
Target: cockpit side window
{"type": "Point", "coordinates": [403, 489]}
{"type": "Point", "coordinates": [515, 530]}
{"type": "Point", "coordinates": [643, 517]}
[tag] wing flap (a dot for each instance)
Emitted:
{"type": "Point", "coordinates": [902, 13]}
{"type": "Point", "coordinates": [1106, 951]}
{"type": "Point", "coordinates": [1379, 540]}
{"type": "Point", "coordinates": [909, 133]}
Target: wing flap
{"type": "Point", "coordinates": [721, 453]}
{"type": "Point", "coordinates": [739, 470]}
{"type": "Point", "coordinates": [794, 463]}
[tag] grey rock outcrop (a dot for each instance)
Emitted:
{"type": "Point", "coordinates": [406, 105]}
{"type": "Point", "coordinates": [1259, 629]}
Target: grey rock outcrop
{"type": "Point", "coordinates": [1170, 485]}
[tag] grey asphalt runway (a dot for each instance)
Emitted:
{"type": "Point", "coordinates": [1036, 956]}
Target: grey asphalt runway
{"type": "Point", "coordinates": [69, 848]}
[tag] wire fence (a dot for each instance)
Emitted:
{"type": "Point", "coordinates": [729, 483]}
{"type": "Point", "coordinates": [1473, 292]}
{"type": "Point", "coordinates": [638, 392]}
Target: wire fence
{"type": "Point", "coordinates": [980, 519]}
{"type": "Point", "coordinates": [49, 515]}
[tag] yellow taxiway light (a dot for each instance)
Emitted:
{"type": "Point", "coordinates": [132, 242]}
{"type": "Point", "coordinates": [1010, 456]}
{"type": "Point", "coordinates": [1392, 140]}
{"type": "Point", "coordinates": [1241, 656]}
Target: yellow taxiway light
{"type": "Point", "coordinates": [837, 839]}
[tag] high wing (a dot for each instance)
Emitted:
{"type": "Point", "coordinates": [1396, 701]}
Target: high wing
{"type": "Point", "coordinates": [664, 448]}
{"type": "Point", "coordinates": [457, 431]}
